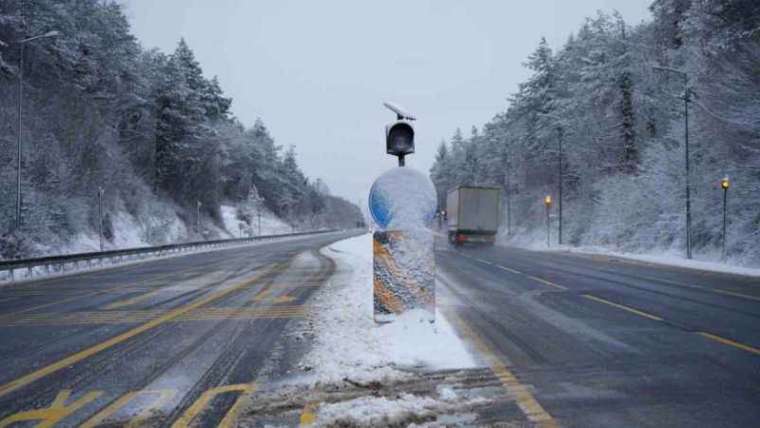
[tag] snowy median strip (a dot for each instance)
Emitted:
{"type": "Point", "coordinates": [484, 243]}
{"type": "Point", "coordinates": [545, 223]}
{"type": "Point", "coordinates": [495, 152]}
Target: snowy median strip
{"type": "Point", "coordinates": [350, 346]}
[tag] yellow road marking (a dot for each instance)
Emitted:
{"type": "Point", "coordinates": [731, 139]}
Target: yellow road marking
{"type": "Point", "coordinates": [164, 395]}
{"type": "Point", "coordinates": [263, 295]}
{"type": "Point", "coordinates": [699, 287]}
{"type": "Point", "coordinates": [623, 307]}
{"type": "Point", "coordinates": [508, 269]}
{"type": "Point", "coordinates": [525, 400]}
{"type": "Point", "coordinates": [124, 317]}
{"type": "Point", "coordinates": [49, 416]}
{"type": "Point", "coordinates": [308, 415]}
{"type": "Point", "coordinates": [202, 402]}
{"type": "Point", "coordinates": [266, 296]}
{"type": "Point", "coordinates": [729, 342]}
{"type": "Point", "coordinates": [56, 302]}
{"type": "Point", "coordinates": [133, 300]}
{"type": "Point", "coordinates": [81, 355]}
{"type": "Point", "coordinates": [243, 400]}
{"type": "Point", "coordinates": [544, 281]}
{"type": "Point", "coordinates": [517, 272]}
{"type": "Point", "coordinates": [735, 294]}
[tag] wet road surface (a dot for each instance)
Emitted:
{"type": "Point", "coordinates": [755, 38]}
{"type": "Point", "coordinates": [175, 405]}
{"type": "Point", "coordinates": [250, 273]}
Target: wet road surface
{"type": "Point", "coordinates": [172, 342]}
{"type": "Point", "coordinates": [599, 341]}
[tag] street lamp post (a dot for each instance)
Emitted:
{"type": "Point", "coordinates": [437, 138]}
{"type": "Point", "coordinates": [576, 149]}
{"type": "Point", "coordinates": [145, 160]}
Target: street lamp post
{"type": "Point", "coordinates": [21, 44]}
{"type": "Point", "coordinates": [559, 178]}
{"type": "Point", "coordinates": [686, 100]}
{"type": "Point", "coordinates": [198, 206]}
{"type": "Point", "coordinates": [259, 202]}
{"type": "Point", "coordinates": [724, 184]}
{"type": "Point", "coordinates": [560, 171]}
{"type": "Point", "coordinates": [100, 216]}
{"type": "Point", "coordinates": [548, 204]}
{"type": "Point", "coordinates": [507, 189]}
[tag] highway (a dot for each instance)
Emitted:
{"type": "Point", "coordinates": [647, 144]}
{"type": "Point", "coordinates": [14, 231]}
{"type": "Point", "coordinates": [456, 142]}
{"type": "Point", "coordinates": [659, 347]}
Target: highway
{"type": "Point", "coordinates": [170, 342]}
{"type": "Point", "coordinates": [599, 341]}
{"type": "Point", "coordinates": [563, 340]}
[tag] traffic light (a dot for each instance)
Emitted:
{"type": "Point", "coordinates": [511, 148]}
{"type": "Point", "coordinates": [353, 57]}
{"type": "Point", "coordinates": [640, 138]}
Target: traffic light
{"type": "Point", "coordinates": [399, 135]}
{"type": "Point", "coordinates": [399, 138]}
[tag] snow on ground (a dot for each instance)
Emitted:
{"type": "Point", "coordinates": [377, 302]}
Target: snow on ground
{"type": "Point", "coordinates": [270, 223]}
{"type": "Point", "coordinates": [348, 344]}
{"type": "Point", "coordinates": [670, 258]}
{"type": "Point", "coordinates": [404, 410]}
{"type": "Point", "coordinates": [130, 233]}
{"type": "Point", "coordinates": [536, 240]}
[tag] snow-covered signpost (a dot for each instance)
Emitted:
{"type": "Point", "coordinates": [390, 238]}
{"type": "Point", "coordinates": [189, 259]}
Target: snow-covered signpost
{"type": "Point", "coordinates": [402, 202]}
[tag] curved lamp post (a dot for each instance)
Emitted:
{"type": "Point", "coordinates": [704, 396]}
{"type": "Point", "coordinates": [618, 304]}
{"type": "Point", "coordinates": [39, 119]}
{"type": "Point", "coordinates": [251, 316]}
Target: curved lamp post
{"type": "Point", "coordinates": [724, 184]}
{"type": "Point", "coordinates": [21, 44]}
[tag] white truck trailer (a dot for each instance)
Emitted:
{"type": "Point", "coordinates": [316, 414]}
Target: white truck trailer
{"type": "Point", "coordinates": [473, 214]}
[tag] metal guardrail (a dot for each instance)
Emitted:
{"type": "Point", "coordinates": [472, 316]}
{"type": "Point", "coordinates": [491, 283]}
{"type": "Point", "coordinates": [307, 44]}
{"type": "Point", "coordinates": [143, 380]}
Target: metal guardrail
{"type": "Point", "coordinates": [59, 263]}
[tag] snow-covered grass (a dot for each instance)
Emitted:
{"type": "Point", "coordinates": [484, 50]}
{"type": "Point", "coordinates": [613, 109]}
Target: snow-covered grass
{"type": "Point", "coordinates": [270, 223]}
{"type": "Point", "coordinates": [348, 344]}
{"type": "Point", "coordinates": [669, 258]}
{"type": "Point", "coordinates": [535, 240]}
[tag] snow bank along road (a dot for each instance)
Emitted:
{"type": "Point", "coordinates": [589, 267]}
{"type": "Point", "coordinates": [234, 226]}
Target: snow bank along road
{"type": "Point", "coordinates": [600, 341]}
{"type": "Point", "coordinates": [174, 341]}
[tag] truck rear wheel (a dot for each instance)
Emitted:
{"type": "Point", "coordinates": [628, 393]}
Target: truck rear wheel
{"type": "Point", "coordinates": [453, 239]}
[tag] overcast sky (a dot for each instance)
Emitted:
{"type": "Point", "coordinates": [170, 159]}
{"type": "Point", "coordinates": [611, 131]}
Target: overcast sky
{"type": "Point", "coordinates": [316, 72]}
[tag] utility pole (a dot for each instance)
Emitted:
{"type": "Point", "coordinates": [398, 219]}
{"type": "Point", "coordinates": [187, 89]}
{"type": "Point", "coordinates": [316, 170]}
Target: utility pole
{"type": "Point", "coordinates": [686, 100]}
{"type": "Point", "coordinates": [560, 178]}
{"type": "Point", "coordinates": [198, 216]}
{"type": "Point", "coordinates": [100, 216]}
{"type": "Point", "coordinates": [259, 202]}
{"type": "Point", "coordinates": [688, 174]}
{"type": "Point", "coordinates": [548, 204]}
{"type": "Point", "coordinates": [18, 142]}
{"type": "Point", "coordinates": [725, 184]}
{"type": "Point", "coordinates": [21, 44]}
{"type": "Point", "coordinates": [507, 188]}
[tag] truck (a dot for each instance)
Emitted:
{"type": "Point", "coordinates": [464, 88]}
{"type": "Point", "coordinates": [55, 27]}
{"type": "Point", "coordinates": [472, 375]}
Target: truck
{"type": "Point", "coordinates": [473, 214]}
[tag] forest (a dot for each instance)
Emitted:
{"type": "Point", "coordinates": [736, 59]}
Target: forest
{"type": "Point", "coordinates": [147, 129]}
{"type": "Point", "coordinates": [603, 119]}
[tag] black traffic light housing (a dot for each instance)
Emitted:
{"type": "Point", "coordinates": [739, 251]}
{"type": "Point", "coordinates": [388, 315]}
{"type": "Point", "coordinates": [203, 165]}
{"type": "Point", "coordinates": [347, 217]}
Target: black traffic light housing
{"type": "Point", "coordinates": [399, 135]}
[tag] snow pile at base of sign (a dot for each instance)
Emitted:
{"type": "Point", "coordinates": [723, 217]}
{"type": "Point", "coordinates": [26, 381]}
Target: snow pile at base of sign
{"type": "Point", "coordinates": [348, 344]}
{"type": "Point", "coordinates": [402, 199]}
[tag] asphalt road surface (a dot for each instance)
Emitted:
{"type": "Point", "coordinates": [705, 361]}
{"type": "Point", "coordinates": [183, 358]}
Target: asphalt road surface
{"type": "Point", "coordinates": [172, 342]}
{"type": "Point", "coordinates": [565, 340]}
{"type": "Point", "coordinates": [598, 341]}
